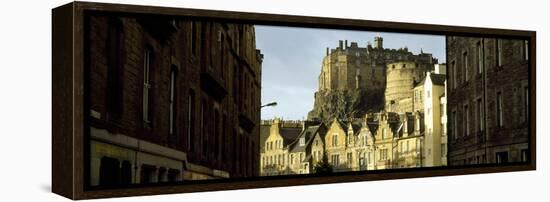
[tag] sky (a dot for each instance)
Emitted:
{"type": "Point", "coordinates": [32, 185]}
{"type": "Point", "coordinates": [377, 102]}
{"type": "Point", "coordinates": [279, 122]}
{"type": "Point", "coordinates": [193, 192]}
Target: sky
{"type": "Point", "coordinates": [293, 57]}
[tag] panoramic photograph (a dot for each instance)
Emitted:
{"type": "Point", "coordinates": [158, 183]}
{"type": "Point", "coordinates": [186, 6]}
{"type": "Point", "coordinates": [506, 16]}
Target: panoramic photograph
{"type": "Point", "coordinates": [176, 100]}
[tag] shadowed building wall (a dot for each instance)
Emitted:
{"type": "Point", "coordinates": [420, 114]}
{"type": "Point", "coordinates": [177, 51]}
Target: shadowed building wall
{"type": "Point", "coordinates": [488, 113]}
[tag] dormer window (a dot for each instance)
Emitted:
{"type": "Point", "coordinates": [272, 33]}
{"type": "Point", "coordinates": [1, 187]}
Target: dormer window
{"type": "Point", "coordinates": [302, 141]}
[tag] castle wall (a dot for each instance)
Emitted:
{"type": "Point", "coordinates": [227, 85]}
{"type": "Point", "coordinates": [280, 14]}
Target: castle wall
{"type": "Point", "coordinates": [401, 77]}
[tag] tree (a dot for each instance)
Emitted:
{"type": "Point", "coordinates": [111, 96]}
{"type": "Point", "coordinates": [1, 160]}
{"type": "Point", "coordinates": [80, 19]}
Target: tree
{"type": "Point", "coordinates": [323, 167]}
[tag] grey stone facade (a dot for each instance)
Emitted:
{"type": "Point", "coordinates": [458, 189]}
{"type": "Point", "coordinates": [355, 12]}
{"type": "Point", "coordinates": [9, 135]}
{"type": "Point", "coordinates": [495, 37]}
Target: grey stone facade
{"type": "Point", "coordinates": [488, 100]}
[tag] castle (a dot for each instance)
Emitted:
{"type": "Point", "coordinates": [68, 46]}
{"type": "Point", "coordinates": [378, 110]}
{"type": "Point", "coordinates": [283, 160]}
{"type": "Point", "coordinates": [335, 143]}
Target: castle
{"type": "Point", "coordinates": [358, 76]}
{"type": "Point", "coordinates": [375, 109]}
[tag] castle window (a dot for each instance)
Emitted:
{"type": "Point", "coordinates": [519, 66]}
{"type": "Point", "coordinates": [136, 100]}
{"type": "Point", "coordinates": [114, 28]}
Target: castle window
{"type": "Point", "coordinates": [335, 140]}
{"type": "Point", "coordinates": [500, 121]}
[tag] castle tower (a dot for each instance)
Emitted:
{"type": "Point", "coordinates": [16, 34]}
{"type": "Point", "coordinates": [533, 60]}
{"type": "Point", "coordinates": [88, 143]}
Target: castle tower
{"type": "Point", "coordinates": [378, 42]}
{"type": "Point", "coordinates": [400, 79]}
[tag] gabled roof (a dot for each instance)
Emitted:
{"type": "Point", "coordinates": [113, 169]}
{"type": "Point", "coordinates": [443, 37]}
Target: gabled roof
{"type": "Point", "coordinates": [265, 129]}
{"type": "Point", "coordinates": [308, 134]}
{"type": "Point", "coordinates": [437, 79]}
{"type": "Point", "coordinates": [289, 134]}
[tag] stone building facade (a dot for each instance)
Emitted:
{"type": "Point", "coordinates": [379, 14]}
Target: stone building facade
{"type": "Point", "coordinates": [489, 110]}
{"type": "Point", "coordinates": [430, 93]}
{"type": "Point", "coordinates": [401, 77]}
{"type": "Point", "coordinates": [290, 147]}
{"type": "Point", "coordinates": [171, 100]}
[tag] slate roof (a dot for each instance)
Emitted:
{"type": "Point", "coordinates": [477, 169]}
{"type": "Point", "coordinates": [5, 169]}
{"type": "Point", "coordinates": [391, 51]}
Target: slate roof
{"type": "Point", "coordinates": [308, 134]}
{"type": "Point", "coordinates": [289, 134]}
{"type": "Point", "coordinates": [437, 79]}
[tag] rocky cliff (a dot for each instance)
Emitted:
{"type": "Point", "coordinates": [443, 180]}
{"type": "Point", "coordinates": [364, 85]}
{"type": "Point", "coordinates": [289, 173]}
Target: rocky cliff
{"type": "Point", "coordinates": [345, 104]}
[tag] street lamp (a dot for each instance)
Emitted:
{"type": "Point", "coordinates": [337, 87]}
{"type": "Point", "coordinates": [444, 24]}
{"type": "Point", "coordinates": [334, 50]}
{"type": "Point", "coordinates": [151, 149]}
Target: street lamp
{"type": "Point", "coordinates": [271, 104]}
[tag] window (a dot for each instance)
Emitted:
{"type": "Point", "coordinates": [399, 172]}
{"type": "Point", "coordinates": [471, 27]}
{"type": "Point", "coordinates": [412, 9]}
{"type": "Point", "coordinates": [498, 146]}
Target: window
{"type": "Point", "coordinates": [455, 128]}
{"type": "Point", "coordinates": [480, 118]}
{"type": "Point", "coordinates": [222, 54]}
{"type": "Point", "coordinates": [408, 148]}
{"type": "Point", "coordinates": [453, 68]}
{"type": "Point", "coordinates": [384, 154]}
{"type": "Point", "coordinates": [203, 127]}
{"type": "Point", "coordinates": [480, 58]}
{"type": "Point", "coordinates": [302, 141]}
{"type": "Point", "coordinates": [194, 38]}
{"type": "Point", "coordinates": [524, 155]}
{"type": "Point", "coordinates": [146, 84]}
{"type": "Point", "coordinates": [216, 142]}
{"type": "Point", "coordinates": [444, 150]}
{"type": "Point", "coordinates": [466, 65]}
{"type": "Point", "coordinates": [525, 103]}
{"type": "Point", "coordinates": [191, 120]}
{"type": "Point", "coordinates": [466, 121]}
{"type": "Point", "coordinates": [499, 52]}
{"type": "Point", "coordinates": [501, 157]}
{"type": "Point", "coordinates": [172, 98]}
{"type": "Point", "coordinates": [349, 160]}
{"type": "Point", "coordinates": [109, 172]}
{"type": "Point", "coordinates": [499, 117]}
{"type": "Point", "coordinates": [384, 133]}
{"type": "Point", "coordinates": [525, 50]}
{"type": "Point", "coordinates": [335, 160]}
{"type": "Point", "coordinates": [335, 140]}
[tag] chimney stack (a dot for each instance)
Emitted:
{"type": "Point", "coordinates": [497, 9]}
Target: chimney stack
{"type": "Point", "coordinates": [340, 44]}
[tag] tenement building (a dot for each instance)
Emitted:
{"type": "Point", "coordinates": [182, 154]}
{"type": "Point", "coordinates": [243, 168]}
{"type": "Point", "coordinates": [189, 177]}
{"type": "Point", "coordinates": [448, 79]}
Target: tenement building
{"type": "Point", "coordinates": [171, 100]}
{"type": "Point", "coordinates": [489, 109]}
{"type": "Point", "coordinates": [290, 147]}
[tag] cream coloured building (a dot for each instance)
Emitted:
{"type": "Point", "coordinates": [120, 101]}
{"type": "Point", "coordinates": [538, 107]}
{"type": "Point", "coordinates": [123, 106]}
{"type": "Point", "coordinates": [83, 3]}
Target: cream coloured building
{"type": "Point", "coordinates": [290, 147]}
{"type": "Point", "coordinates": [430, 91]}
